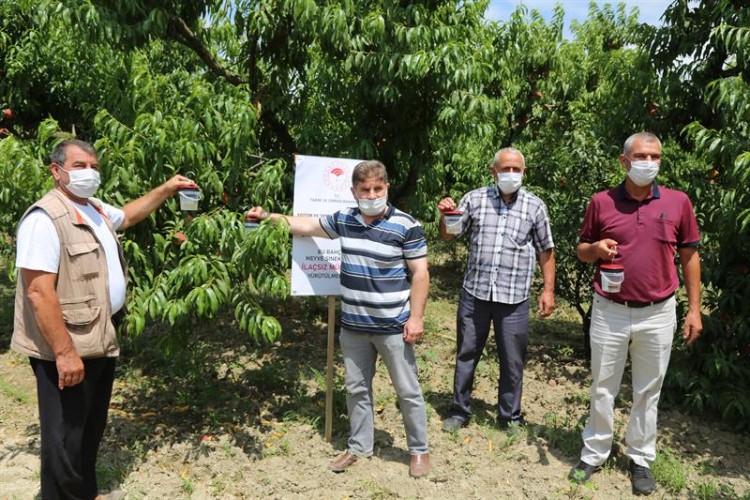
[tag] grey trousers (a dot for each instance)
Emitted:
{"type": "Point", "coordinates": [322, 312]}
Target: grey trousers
{"type": "Point", "coordinates": [511, 325]}
{"type": "Point", "coordinates": [360, 353]}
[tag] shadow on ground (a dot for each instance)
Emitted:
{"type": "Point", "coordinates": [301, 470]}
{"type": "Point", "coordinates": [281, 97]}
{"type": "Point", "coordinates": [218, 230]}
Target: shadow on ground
{"type": "Point", "coordinates": [221, 383]}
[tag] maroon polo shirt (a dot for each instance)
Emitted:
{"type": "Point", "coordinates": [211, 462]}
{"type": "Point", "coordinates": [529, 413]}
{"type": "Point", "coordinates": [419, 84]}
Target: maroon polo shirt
{"type": "Point", "coordinates": [648, 234]}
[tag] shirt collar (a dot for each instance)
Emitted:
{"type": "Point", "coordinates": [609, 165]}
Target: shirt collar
{"type": "Point", "coordinates": [623, 194]}
{"type": "Point", "coordinates": [387, 215]}
{"type": "Point", "coordinates": [391, 209]}
{"type": "Point", "coordinates": [495, 193]}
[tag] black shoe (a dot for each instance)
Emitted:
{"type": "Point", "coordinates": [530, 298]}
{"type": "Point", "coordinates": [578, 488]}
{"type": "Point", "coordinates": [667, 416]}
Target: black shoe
{"type": "Point", "coordinates": [582, 472]}
{"type": "Point", "coordinates": [453, 424]}
{"type": "Point", "coordinates": [642, 479]}
{"type": "Point", "coordinates": [504, 423]}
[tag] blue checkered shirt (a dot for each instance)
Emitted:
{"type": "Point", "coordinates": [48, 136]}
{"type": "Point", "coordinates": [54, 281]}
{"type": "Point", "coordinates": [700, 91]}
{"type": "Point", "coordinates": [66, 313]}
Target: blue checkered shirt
{"type": "Point", "coordinates": [504, 240]}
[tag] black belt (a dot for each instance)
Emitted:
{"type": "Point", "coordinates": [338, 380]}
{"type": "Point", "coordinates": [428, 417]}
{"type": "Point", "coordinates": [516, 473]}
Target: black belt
{"type": "Point", "coordinates": [633, 303]}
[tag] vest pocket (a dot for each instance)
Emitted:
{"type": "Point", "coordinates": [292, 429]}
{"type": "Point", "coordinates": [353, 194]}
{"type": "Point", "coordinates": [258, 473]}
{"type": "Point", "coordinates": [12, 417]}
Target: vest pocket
{"type": "Point", "coordinates": [84, 260]}
{"type": "Point", "coordinates": [81, 316]}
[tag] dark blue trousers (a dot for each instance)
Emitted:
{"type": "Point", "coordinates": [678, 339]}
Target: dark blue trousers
{"type": "Point", "coordinates": [511, 325]}
{"type": "Point", "coordinates": [72, 423]}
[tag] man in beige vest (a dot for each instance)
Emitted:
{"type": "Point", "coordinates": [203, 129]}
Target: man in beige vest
{"type": "Point", "coordinates": [71, 282]}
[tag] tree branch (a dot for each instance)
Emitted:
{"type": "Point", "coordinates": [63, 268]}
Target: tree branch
{"type": "Point", "coordinates": [183, 34]}
{"type": "Point", "coordinates": [180, 31]}
{"type": "Point", "coordinates": [281, 132]}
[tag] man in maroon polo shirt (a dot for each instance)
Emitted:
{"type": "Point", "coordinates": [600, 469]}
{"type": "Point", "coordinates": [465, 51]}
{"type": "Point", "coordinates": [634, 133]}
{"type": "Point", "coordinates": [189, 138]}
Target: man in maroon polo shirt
{"type": "Point", "coordinates": [638, 226]}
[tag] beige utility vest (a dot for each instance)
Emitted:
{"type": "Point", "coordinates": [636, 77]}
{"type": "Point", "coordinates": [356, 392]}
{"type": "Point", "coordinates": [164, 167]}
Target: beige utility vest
{"type": "Point", "coordinates": [82, 287]}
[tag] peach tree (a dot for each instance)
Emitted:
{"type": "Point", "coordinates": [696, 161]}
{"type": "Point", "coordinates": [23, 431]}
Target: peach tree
{"type": "Point", "coordinates": [712, 106]}
{"type": "Point", "coordinates": [150, 112]}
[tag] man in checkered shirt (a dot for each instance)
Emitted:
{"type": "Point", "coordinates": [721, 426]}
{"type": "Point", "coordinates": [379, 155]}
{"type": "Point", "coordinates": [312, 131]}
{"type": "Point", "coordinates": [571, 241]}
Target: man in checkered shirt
{"type": "Point", "coordinates": [509, 231]}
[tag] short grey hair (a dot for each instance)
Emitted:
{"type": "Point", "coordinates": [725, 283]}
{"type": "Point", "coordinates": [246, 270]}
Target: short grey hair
{"type": "Point", "coordinates": [58, 154]}
{"type": "Point", "coordinates": [496, 161]}
{"type": "Point", "coordinates": [647, 137]}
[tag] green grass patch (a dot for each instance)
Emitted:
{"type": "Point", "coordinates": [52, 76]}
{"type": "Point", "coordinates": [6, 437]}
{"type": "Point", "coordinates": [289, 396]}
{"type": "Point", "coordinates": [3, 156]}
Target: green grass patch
{"type": "Point", "coordinates": [669, 472]}
{"type": "Point", "coordinates": [14, 393]}
{"type": "Point", "coordinates": [563, 433]}
{"type": "Point", "coordinates": [710, 489]}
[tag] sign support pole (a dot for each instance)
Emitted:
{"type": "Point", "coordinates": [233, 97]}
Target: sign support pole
{"type": "Point", "coordinates": [329, 367]}
{"type": "Point", "coordinates": [322, 186]}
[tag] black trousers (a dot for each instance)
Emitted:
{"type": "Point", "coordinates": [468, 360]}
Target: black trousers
{"type": "Point", "coordinates": [511, 325]}
{"type": "Point", "coordinates": [72, 423]}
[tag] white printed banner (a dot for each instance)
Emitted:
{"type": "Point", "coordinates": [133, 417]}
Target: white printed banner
{"type": "Point", "coordinates": [321, 187]}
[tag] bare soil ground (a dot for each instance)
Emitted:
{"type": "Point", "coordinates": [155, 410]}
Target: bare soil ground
{"type": "Point", "coordinates": [234, 420]}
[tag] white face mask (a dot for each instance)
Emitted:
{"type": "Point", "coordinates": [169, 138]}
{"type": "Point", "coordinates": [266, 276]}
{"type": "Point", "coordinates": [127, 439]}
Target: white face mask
{"type": "Point", "coordinates": [82, 182]}
{"type": "Point", "coordinates": [509, 182]}
{"type": "Point", "coordinates": [643, 172]}
{"type": "Point", "coordinates": [371, 208]}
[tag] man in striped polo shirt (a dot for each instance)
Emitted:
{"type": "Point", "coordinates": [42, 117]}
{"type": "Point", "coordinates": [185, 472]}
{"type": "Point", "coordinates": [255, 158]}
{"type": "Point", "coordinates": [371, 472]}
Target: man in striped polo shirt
{"type": "Point", "coordinates": [384, 284]}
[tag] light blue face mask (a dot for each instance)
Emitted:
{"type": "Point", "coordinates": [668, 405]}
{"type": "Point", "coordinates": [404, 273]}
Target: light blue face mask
{"type": "Point", "coordinates": [509, 182]}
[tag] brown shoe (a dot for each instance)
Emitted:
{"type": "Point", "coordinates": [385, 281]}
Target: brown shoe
{"type": "Point", "coordinates": [420, 465]}
{"type": "Point", "coordinates": [342, 462]}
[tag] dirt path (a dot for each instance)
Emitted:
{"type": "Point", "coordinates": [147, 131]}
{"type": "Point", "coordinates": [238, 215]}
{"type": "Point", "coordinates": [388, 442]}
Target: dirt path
{"type": "Point", "coordinates": [247, 423]}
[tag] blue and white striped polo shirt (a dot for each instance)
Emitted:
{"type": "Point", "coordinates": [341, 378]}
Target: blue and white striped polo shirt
{"type": "Point", "coordinates": [374, 275]}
